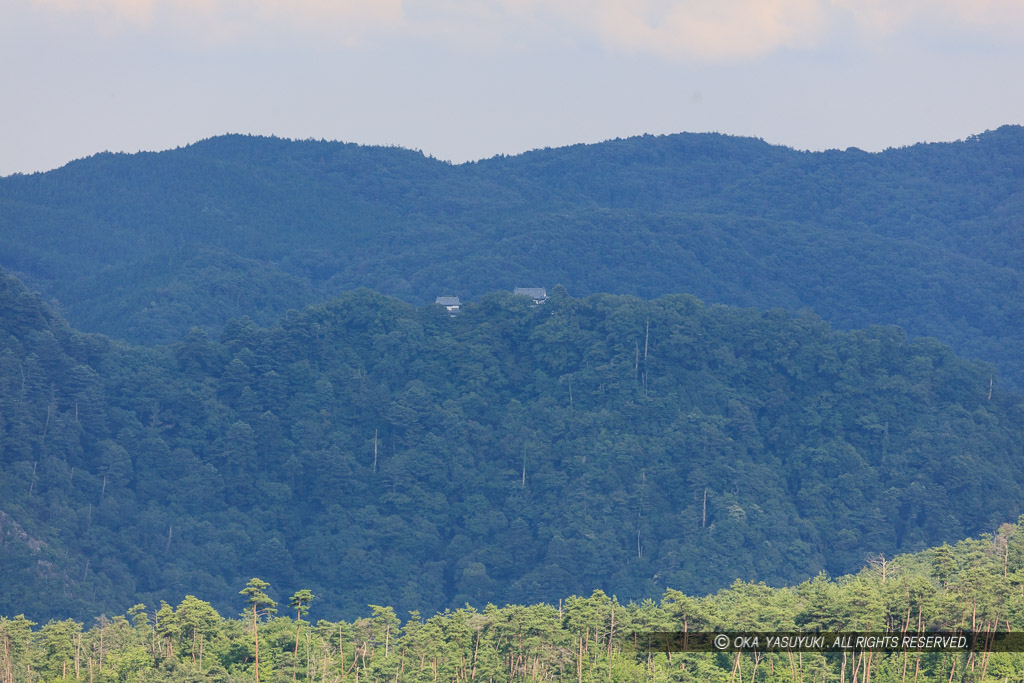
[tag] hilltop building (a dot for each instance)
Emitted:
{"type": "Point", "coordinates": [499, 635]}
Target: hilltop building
{"type": "Point", "coordinates": [538, 294]}
{"type": "Point", "coordinates": [451, 303]}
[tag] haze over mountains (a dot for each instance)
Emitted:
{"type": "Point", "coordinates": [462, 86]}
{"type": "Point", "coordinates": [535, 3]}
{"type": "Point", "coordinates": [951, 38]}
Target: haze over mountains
{"type": "Point", "coordinates": [142, 247]}
{"type": "Point", "coordinates": [381, 452]}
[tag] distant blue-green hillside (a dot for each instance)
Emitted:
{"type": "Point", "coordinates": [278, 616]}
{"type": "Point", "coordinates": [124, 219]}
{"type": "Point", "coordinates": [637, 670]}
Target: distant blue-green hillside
{"type": "Point", "coordinates": [144, 246]}
{"type": "Point", "coordinates": [379, 453]}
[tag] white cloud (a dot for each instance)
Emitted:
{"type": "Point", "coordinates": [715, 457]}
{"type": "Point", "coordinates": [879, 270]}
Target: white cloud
{"type": "Point", "coordinates": [996, 17]}
{"type": "Point", "coordinates": [345, 21]}
{"type": "Point", "coordinates": [348, 15]}
{"type": "Point", "coordinates": [702, 30]}
{"type": "Point", "coordinates": [725, 30]}
{"type": "Point", "coordinates": [132, 12]}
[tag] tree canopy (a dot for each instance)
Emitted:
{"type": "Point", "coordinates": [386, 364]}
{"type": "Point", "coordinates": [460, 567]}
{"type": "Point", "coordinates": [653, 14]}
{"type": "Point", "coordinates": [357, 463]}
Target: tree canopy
{"type": "Point", "coordinates": [142, 247]}
{"type": "Point", "coordinates": [972, 586]}
{"type": "Point", "coordinates": [374, 452]}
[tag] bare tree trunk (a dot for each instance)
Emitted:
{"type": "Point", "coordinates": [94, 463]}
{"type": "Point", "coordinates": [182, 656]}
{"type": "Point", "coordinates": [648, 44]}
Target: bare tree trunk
{"type": "Point", "coordinates": [476, 649]}
{"type": "Point", "coordinates": [295, 654]}
{"type": "Point", "coordinates": [7, 660]}
{"type": "Point", "coordinates": [256, 637]}
{"type": "Point", "coordinates": [579, 663]}
{"type": "Point", "coordinates": [611, 632]}
{"type": "Point", "coordinates": [704, 510]}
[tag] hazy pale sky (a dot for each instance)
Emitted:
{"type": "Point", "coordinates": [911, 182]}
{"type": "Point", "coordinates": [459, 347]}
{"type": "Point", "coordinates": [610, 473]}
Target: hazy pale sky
{"type": "Point", "coordinates": [467, 79]}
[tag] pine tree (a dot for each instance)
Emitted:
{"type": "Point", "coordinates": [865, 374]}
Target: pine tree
{"type": "Point", "coordinates": [261, 605]}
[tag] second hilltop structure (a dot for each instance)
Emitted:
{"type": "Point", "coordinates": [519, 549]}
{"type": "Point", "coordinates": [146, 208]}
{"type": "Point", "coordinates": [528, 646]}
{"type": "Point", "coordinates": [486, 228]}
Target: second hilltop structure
{"type": "Point", "coordinates": [538, 294]}
{"type": "Point", "coordinates": [451, 303]}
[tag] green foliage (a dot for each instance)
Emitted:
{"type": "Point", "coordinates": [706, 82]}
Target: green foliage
{"type": "Point", "coordinates": [143, 247]}
{"type": "Point", "coordinates": [595, 638]}
{"type": "Point", "coordinates": [257, 599]}
{"type": "Point", "coordinates": [300, 603]}
{"type": "Point", "coordinates": [370, 452]}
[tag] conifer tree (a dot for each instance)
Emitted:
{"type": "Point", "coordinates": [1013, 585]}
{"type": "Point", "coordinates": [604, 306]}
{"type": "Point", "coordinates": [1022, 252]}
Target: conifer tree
{"type": "Point", "coordinates": [261, 605]}
{"type": "Point", "coordinates": [300, 603]}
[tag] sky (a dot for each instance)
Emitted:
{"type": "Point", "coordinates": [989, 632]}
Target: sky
{"type": "Point", "coordinates": [469, 79]}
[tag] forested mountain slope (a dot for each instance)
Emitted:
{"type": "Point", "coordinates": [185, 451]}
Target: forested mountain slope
{"type": "Point", "coordinates": [974, 586]}
{"type": "Point", "coordinates": [379, 453]}
{"type": "Point", "coordinates": [144, 246]}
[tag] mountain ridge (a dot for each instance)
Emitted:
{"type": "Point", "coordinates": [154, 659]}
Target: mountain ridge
{"type": "Point", "coordinates": [986, 135]}
{"type": "Point", "coordinates": [143, 247]}
{"type": "Point", "coordinates": [509, 453]}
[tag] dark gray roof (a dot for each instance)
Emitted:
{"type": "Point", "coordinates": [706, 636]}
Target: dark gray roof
{"type": "Point", "coordinates": [448, 301]}
{"type": "Point", "coordinates": [535, 292]}
{"type": "Point", "coordinates": [532, 292]}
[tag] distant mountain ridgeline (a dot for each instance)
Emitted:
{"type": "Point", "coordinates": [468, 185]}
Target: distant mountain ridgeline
{"type": "Point", "coordinates": [380, 453]}
{"type": "Point", "coordinates": [141, 247]}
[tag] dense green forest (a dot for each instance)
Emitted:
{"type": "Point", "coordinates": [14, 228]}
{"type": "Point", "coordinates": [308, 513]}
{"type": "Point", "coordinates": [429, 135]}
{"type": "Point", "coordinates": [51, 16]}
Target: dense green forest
{"type": "Point", "coordinates": [976, 585]}
{"type": "Point", "coordinates": [374, 452]}
{"type": "Point", "coordinates": [142, 247]}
